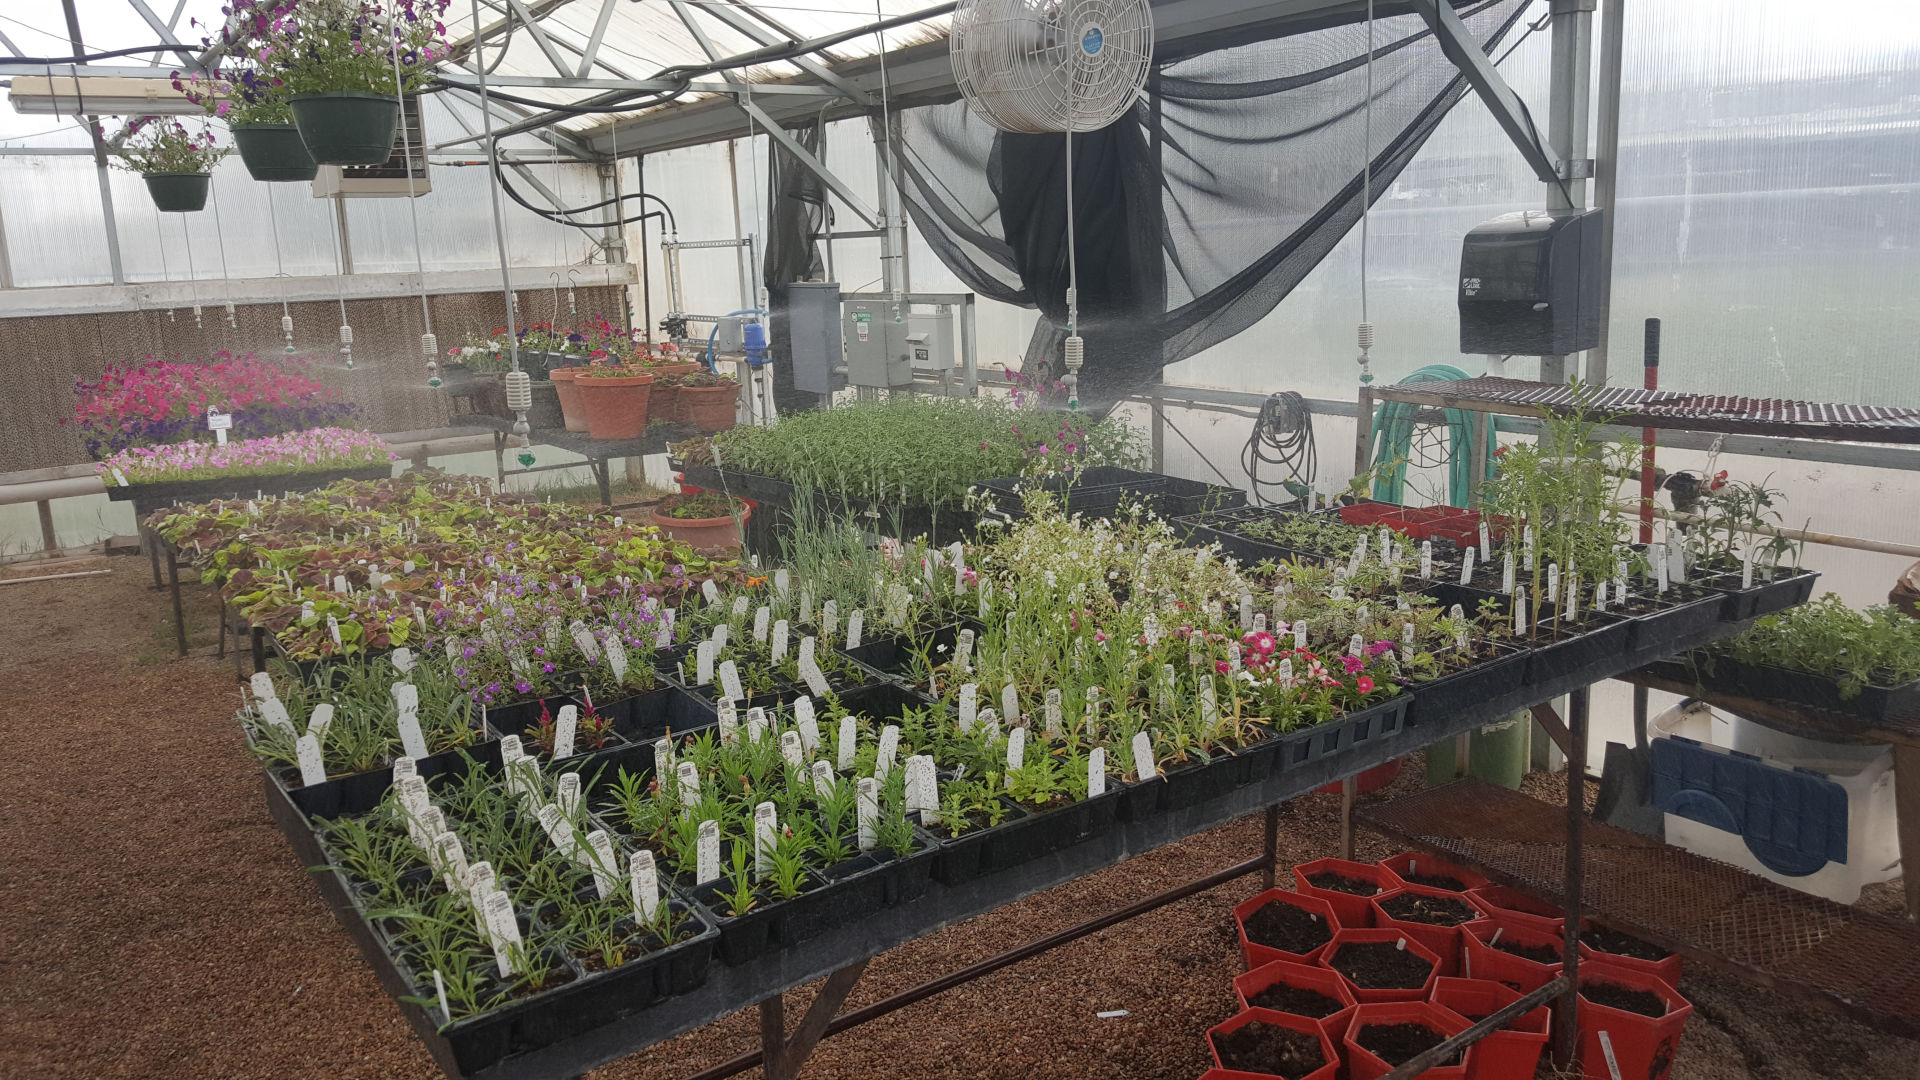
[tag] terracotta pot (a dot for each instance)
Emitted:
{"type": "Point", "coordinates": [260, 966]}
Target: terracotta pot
{"type": "Point", "coordinates": [665, 402]}
{"type": "Point", "coordinates": [672, 369]}
{"type": "Point", "coordinates": [570, 406]}
{"type": "Point", "coordinates": [709, 408]}
{"type": "Point", "coordinates": [616, 405]}
{"type": "Point", "coordinates": [704, 532]}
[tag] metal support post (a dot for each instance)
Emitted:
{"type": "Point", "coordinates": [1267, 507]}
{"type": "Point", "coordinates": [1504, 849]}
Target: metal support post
{"type": "Point", "coordinates": [1349, 791]}
{"type": "Point", "coordinates": [1272, 846]}
{"type": "Point", "coordinates": [1606, 169]}
{"type": "Point", "coordinates": [1363, 432]}
{"type": "Point", "coordinates": [49, 540]}
{"type": "Point", "coordinates": [784, 1054]}
{"type": "Point", "coordinates": [99, 155]}
{"type": "Point", "coordinates": [1567, 123]}
{"type": "Point", "coordinates": [1569, 1044]}
{"type": "Point", "coordinates": [179, 616]}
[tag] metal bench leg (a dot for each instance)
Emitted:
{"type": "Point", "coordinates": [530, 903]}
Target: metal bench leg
{"type": "Point", "coordinates": [179, 616]}
{"type": "Point", "coordinates": [783, 1054]}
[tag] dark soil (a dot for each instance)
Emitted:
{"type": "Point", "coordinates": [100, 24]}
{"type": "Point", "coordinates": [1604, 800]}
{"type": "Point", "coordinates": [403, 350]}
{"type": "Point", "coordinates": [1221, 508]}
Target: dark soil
{"type": "Point", "coordinates": [1539, 954]}
{"type": "Point", "coordinates": [1269, 1048]}
{"type": "Point", "coordinates": [1431, 910]}
{"type": "Point", "coordinates": [1280, 925]}
{"type": "Point", "coordinates": [1298, 1000]}
{"type": "Point", "coordinates": [1435, 881]}
{"type": "Point", "coordinates": [1335, 882]}
{"type": "Point", "coordinates": [1600, 939]}
{"type": "Point", "coordinates": [1382, 965]}
{"type": "Point", "coordinates": [1626, 999]}
{"type": "Point", "coordinates": [1397, 1044]}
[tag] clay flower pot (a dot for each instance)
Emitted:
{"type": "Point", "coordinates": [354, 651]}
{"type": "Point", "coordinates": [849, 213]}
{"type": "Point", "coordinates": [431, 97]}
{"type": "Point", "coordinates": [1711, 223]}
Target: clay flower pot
{"type": "Point", "coordinates": [711, 532]}
{"type": "Point", "coordinates": [709, 408]}
{"type": "Point", "coordinates": [571, 410]}
{"type": "Point", "coordinates": [616, 405]}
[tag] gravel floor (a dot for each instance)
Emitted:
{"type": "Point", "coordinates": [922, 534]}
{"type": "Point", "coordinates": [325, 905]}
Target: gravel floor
{"type": "Point", "coordinates": [159, 927]}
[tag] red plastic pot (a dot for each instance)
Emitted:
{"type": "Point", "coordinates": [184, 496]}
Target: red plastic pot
{"type": "Point", "coordinates": [709, 408]}
{"type": "Point", "coordinates": [1305, 976]}
{"type": "Point", "coordinates": [1480, 960]}
{"type": "Point", "coordinates": [1364, 995]}
{"type": "Point", "coordinates": [1442, 941]}
{"type": "Point", "coordinates": [1352, 911]}
{"type": "Point", "coordinates": [616, 405]}
{"type": "Point", "coordinates": [1252, 953]}
{"type": "Point", "coordinates": [1513, 1052]}
{"type": "Point", "coordinates": [1362, 1064]}
{"type": "Point", "coordinates": [571, 410]}
{"type": "Point", "coordinates": [1369, 781]}
{"type": "Point", "coordinates": [1667, 970]}
{"type": "Point", "coordinates": [1414, 862]}
{"type": "Point", "coordinates": [713, 532]}
{"type": "Point", "coordinates": [1516, 907]}
{"type": "Point", "coordinates": [1643, 1046]}
{"type": "Point", "coordinates": [1277, 1019]}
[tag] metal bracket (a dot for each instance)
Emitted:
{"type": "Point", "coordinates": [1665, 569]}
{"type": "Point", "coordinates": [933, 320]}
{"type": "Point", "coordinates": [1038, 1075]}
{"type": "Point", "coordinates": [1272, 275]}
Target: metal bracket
{"type": "Point", "coordinates": [1505, 105]}
{"type": "Point", "coordinates": [1577, 169]}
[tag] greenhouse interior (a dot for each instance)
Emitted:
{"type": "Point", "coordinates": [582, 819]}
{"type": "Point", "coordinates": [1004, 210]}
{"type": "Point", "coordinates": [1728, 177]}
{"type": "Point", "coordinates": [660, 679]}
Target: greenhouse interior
{"type": "Point", "coordinates": [681, 539]}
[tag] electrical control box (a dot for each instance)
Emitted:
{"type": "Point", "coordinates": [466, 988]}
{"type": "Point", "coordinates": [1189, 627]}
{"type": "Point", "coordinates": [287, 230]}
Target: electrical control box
{"type": "Point", "coordinates": [813, 332]}
{"type": "Point", "coordinates": [878, 354]}
{"type": "Point", "coordinates": [1531, 284]}
{"type": "Point", "coordinates": [930, 340]}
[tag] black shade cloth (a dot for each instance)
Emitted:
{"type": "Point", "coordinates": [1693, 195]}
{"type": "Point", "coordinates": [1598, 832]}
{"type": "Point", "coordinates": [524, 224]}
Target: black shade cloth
{"type": "Point", "coordinates": [798, 202]}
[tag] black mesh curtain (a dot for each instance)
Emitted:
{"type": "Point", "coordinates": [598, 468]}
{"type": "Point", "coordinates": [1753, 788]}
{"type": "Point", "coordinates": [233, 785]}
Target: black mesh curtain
{"type": "Point", "coordinates": [798, 202]}
{"type": "Point", "coordinates": [1200, 211]}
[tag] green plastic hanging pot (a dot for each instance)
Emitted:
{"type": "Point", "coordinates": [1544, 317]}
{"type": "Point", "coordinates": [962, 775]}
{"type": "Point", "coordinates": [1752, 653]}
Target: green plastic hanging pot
{"type": "Point", "coordinates": [179, 193]}
{"type": "Point", "coordinates": [346, 127]}
{"type": "Point", "coordinates": [274, 152]}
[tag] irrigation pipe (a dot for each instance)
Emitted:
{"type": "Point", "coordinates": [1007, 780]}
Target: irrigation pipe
{"type": "Point", "coordinates": [1884, 547]}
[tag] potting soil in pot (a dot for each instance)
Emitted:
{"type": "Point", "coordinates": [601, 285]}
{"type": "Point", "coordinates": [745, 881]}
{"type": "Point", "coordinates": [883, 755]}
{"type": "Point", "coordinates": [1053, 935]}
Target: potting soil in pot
{"type": "Point", "coordinates": [1432, 910]}
{"type": "Point", "coordinates": [1269, 1048]}
{"type": "Point", "coordinates": [1298, 1000]}
{"type": "Point", "coordinates": [1397, 1044]}
{"type": "Point", "coordinates": [1280, 925]}
{"type": "Point", "coordinates": [1539, 954]}
{"type": "Point", "coordinates": [1333, 882]}
{"type": "Point", "coordinates": [1435, 881]}
{"type": "Point", "coordinates": [1626, 999]}
{"type": "Point", "coordinates": [1600, 939]}
{"type": "Point", "coordinates": [1382, 965]}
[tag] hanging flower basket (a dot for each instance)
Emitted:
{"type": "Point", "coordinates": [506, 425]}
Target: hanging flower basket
{"type": "Point", "coordinates": [274, 152]}
{"type": "Point", "coordinates": [347, 127]}
{"type": "Point", "coordinates": [179, 193]}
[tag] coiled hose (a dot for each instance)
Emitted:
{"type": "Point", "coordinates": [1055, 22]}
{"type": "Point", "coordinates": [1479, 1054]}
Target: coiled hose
{"type": "Point", "coordinates": [1393, 441]}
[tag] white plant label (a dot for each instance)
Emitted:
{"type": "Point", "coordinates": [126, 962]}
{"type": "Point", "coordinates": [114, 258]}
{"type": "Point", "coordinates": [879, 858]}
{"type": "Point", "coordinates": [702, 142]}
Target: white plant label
{"type": "Point", "coordinates": [340, 584]}
{"type": "Point", "coordinates": [923, 788]}
{"type": "Point", "coordinates": [1010, 703]}
{"type": "Point", "coordinates": [406, 697]}
{"type": "Point", "coordinates": [1466, 567]}
{"type": "Point", "coordinates": [810, 672]}
{"type": "Point", "coordinates": [848, 742]}
{"type": "Point", "coordinates": [1209, 704]}
{"type": "Point", "coordinates": [867, 812]}
{"type": "Point", "coordinates": [333, 629]}
{"type": "Point", "coordinates": [1486, 539]}
{"type": "Point", "coordinates": [766, 833]}
{"type": "Point", "coordinates": [403, 660]}
{"type": "Point", "coordinates": [120, 478]}
{"type": "Point", "coordinates": [313, 769]}
{"type": "Point", "coordinates": [1246, 611]}
{"type": "Point", "coordinates": [730, 681]}
{"type": "Point", "coordinates": [663, 637]}
{"type": "Point", "coordinates": [889, 746]}
{"type": "Point", "coordinates": [963, 651]}
{"type": "Point", "coordinates": [762, 621]}
{"type": "Point", "coordinates": [969, 706]}
{"type": "Point", "coordinates": [1600, 595]}
{"type": "Point", "coordinates": [790, 750]}
{"type": "Point", "coordinates": [721, 635]}
{"type": "Point", "coordinates": [829, 618]}
{"type": "Point", "coordinates": [605, 865]}
{"type": "Point", "coordinates": [1573, 596]}
{"type": "Point", "coordinates": [1363, 616]}
{"type": "Point", "coordinates": [616, 653]}
{"type": "Point", "coordinates": [559, 829]}
{"type": "Point", "coordinates": [1016, 752]}
{"type": "Point", "coordinates": [1676, 557]}
{"type": "Point", "coordinates": [986, 602]}
{"type": "Point", "coordinates": [274, 711]}
{"type": "Point", "coordinates": [1746, 567]}
{"type": "Point", "coordinates": [782, 581]}
{"type": "Point", "coordinates": [565, 727]}
{"type": "Point", "coordinates": [566, 795]}
{"type": "Point", "coordinates": [503, 929]}
{"type": "Point", "coordinates": [1097, 772]}
{"type": "Point", "coordinates": [1143, 766]}
{"type": "Point", "coordinates": [1659, 568]}
{"type": "Point", "coordinates": [1606, 1050]}
{"type": "Point", "coordinates": [854, 623]}
{"type": "Point", "coordinates": [1506, 574]}
{"type": "Point", "coordinates": [644, 879]}
{"type": "Point", "coordinates": [806, 723]}
{"type": "Point", "coordinates": [1260, 622]}
{"type": "Point", "coordinates": [404, 767]}
{"type": "Point", "coordinates": [781, 635]}
{"type": "Point", "coordinates": [511, 750]}
{"type": "Point", "coordinates": [662, 758]}
{"type": "Point", "coordinates": [1054, 713]}
{"type": "Point", "coordinates": [584, 641]}
{"type": "Point", "coordinates": [1406, 643]}
{"type": "Point", "coordinates": [1356, 645]}
{"type": "Point", "coordinates": [729, 722]}
{"type": "Point", "coordinates": [1520, 610]}
{"type": "Point", "coordinates": [709, 591]}
{"type": "Point", "coordinates": [757, 726]}
{"type": "Point", "coordinates": [1300, 634]}
{"type": "Point", "coordinates": [689, 783]}
{"type": "Point", "coordinates": [822, 779]}
{"type": "Point", "coordinates": [707, 853]}
{"type": "Point", "coordinates": [1553, 580]}
{"type": "Point", "coordinates": [991, 721]}
{"type": "Point", "coordinates": [703, 663]}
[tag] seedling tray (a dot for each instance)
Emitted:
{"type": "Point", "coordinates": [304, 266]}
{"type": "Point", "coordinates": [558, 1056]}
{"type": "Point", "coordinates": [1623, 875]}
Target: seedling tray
{"type": "Point", "coordinates": [1440, 698]}
{"type": "Point", "coordinates": [1873, 705]}
{"type": "Point", "coordinates": [167, 492]}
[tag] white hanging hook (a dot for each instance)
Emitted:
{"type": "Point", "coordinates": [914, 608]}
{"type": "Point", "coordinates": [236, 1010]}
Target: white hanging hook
{"type": "Point", "coordinates": [573, 309]}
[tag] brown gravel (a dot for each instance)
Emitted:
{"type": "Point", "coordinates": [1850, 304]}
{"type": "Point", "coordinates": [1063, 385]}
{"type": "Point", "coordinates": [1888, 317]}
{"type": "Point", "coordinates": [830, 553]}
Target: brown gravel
{"type": "Point", "coordinates": [159, 927]}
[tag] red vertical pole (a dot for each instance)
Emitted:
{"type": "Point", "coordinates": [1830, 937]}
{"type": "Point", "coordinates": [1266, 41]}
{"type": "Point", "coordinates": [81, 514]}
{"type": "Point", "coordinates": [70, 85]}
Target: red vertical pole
{"type": "Point", "coordinates": [1646, 434]}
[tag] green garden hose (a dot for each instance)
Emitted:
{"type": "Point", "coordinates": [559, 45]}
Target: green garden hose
{"type": "Point", "coordinates": [1393, 441]}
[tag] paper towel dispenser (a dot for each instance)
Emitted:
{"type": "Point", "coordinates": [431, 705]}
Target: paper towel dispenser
{"type": "Point", "coordinates": [1531, 284]}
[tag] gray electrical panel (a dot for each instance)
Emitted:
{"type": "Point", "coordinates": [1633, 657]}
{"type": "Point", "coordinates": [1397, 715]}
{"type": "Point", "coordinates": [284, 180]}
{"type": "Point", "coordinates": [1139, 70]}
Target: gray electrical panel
{"type": "Point", "coordinates": [930, 339]}
{"type": "Point", "coordinates": [878, 354]}
{"type": "Point", "coordinates": [813, 325]}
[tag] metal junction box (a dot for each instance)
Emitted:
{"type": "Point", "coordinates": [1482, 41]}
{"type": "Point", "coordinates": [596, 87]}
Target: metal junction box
{"type": "Point", "coordinates": [1531, 284]}
{"type": "Point", "coordinates": [930, 339]}
{"type": "Point", "coordinates": [813, 330]}
{"type": "Point", "coordinates": [878, 354]}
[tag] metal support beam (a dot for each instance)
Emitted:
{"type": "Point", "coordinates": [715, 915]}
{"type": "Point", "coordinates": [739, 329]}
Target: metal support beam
{"type": "Point", "coordinates": [99, 157]}
{"type": "Point", "coordinates": [812, 67]}
{"type": "Point", "coordinates": [1567, 125]}
{"type": "Point", "coordinates": [1505, 105]}
{"type": "Point", "coordinates": [599, 32]}
{"type": "Point", "coordinates": [165, 30]}
{"type": "Point", "coordinates": [540, 37]}
{"type": "Point", "coordinates": [463, 48]}
{"type": "Point", "coordinates": [1569, 1027]}
{"type": "Point", "coordinates": [7, 43]}
{"type": "Point", "coordinates": [1606, 171]}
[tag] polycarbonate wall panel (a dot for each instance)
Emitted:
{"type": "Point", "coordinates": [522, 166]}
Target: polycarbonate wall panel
{"type": "Point", "coordinates": [51, 210]}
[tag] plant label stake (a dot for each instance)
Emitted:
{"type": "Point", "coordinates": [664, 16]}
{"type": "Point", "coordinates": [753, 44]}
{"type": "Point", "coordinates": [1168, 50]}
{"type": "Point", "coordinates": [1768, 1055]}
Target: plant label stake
{"type": "Point", "coordinates": [1659, 569]}
{"type": "Point", "coordinates": [1506, 574]}
{"type": "Point", "coordinates": [1246, 610]}
{"type": "Point", "coordinates": [1676, 556]}
{"type": "Point", "coordinates": [1209, 704]}
{"type": "Point", "coordinates": [923, 789]}
{"type": "Point", "coordinates": [1466, 566]}
{"type": "Point", "coordinates": [559, 830]}
{"type": "Point", "coordinates": [404, 767]}
{"type": "Point", "coordinates": [644, 879]}
{"type": "Point", "coordinates": [318, 723]}
{"type": "Point", "coordinates": [867, 812]}
{"type": "Point", "coordinates": [757, 724]}
{"type": "Point", "coordinates": [1016, 752]}
{"type": "Point", "coordinates": [847, 742]}
{"type": "Point", "coordinates": [889, 746]}
{"type": "Point", "coordinates": [709, 591]}
{"type": "Point", "coordinates": [781, 632]}
{"type": "Point", "coordinates": [605, 864]}
{"type": "Point", "coordinates": [1143, 767]}
{"type": "Point", "coordinates": [822, 779]}
{"type": "Point", "coordinates": [721, 635]}
{"type": "Point", "coordinates": [616, 654]}
{"type": "Point", "coordinates": [969, 706]}
{"type": "Point", "coordinates": [566, 795]}
{"type": "Point", "coordinates": [1356, 645]}
{"type": "Point", "coordinates": [729, 722]}
{"type": "Point", "coordinates": [762, 619]}
{"type": "Point", "coordinates": [312, 769]}
{"type": "Point", "coordinates": [963, 651]}
{"type": "Point", "coordinates": [584, 641]}
{"type": "Point", "coordinates": [1520, 611]}
{"type": "Point", "coordinates": [1573, 596]}
{"type": "Point", "coordinates": [854, 622]}
{"type": "Point", "coordinates": [663, 757]}
{"type": "Point", "coordinates": [407, 697]}
{"type": "Point", "coordinates": [274, 711]}
{"type": "Point", "coordinates": [478, 883]}
{"type": "Point", "coordinates": [1053, 712]}
{"type": "Point", "coordinates": [1097, 772]}
{"type": "Point", "coordinates": [990, 720]}
{"type": "Point", "coordinates": [1233, 656]}
{"type": "Point", "coordinates": [1600, 595]}
{"type": "Point", "coordinates": [986, 602]}
{"type": "Point", "coordinates": [1620, 580]}
{"type": "Point", "coordinates": [766, 832]}
{"type": "Point", "coordinates": [829, 618]}
{"type": "Point", "coordinates": [789, 748]}
{"type": "Point", "coordinates": [806, 724]}
{"type": "Point", "coordinates": [1300, 635]}
{"type": "Point", "coordinates": [1746, 566]}
{"type": "Point", "coordinates": [1406, 643]}
{"type": "Point", "coordinates": [703, 663]}
{"type": "Point", "coordinates": [402, 660]}
{"type": "Point", "coordinates": [503, 929]}
{"type": "Point", "coordinates": [1526, 548]}
{"type": "Point", "coordinates": [565, 726]}
{"type": "Point", "coordinates": [1260, 622]}
{"type": "Point", "coordinates": [707, 851]}
{"type": "Point", "coordinates": [782, 581]}
{"type": "Point", "coordinates": [689, 784]}
{"type": "Point", "coordinates": [1010, 703]}
{"type": "Point", "coordinates": [810, 672]}
{"type": "Point", "coordinates": [511, 750]}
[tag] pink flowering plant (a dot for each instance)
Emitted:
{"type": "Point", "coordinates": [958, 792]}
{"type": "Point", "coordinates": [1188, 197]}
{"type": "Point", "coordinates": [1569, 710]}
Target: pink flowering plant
{"type": "Point", "coordinates": [324, 46]}
{"type": "Point", "coordinates": [154, 145]}
{"type": "Point", "coordinates": [316, 450]}
{"type": "Point", "coordinates": [166, 401]}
